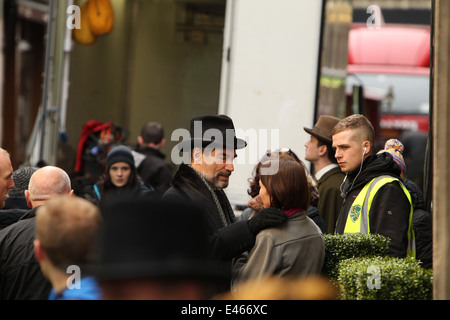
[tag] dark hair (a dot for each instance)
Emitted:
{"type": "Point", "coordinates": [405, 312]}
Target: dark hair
{"type": "Point", "coordinates": [131, 183]}
{"type": "Point", "coordinates": [253, 191]}
{"type": "Point", "coordinates": [152, 132]}
{"type": "Point", "coordinates": [288, 188]}
{"type": "Point", "coordinates": [330, 151]}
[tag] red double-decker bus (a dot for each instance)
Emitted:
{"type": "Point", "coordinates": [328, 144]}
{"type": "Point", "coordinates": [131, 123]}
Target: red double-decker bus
{"type": "Point", "coordinates": [392, 64]}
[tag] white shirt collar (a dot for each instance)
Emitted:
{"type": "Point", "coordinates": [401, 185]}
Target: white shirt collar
{"type": "Point", "coordinates": [324, 170]}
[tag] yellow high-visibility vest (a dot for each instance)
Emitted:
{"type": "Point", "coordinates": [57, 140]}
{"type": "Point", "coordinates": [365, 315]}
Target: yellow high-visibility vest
{"type": "Point", "coordinates": [358, 215]}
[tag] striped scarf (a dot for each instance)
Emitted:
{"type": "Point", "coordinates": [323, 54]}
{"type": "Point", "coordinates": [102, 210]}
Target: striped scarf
{"type": "Point", "coordinates": [214, 194]}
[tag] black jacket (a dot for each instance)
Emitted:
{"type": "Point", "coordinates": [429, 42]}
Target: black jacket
{"type": "Point", "coordinates": [389, 213]}
{"type": "Point", "coordinates": [423, 226]}
{"type": "Point", "coordinates": [14, 209]}
{"type": "Point", "coordinates": [96, 195]}
{"type": "Point", "coordinates": [20, 273]}
{"type": "Point", "coordinates": [154, 170]}
{"type": "Point", "coordinates": [228, 238]}
{"type": "Point", "coordinates": [10, 216]}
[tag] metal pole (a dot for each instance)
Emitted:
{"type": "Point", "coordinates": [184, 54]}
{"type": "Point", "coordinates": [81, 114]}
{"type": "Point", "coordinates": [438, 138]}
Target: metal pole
{"type": "Point", "coordinates": [65, 75]}
{"type": "Point", "coordinates": [46, 90]}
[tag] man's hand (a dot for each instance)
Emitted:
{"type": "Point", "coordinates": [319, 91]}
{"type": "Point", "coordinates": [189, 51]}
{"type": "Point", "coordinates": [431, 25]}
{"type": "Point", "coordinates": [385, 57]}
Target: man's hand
{"type": "Point", "coordinates": [266, 218]}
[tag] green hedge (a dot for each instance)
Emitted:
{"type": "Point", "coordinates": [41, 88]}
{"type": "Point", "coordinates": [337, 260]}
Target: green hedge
{"type": "Point", "coordinates": [383, 278]}
{"type": "Point", "coordinates": [341, 247]}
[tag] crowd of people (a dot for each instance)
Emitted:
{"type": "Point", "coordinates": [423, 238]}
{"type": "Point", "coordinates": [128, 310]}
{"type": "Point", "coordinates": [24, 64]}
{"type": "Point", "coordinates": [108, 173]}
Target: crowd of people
{"type": "Point", "coordinates": [155, 232]}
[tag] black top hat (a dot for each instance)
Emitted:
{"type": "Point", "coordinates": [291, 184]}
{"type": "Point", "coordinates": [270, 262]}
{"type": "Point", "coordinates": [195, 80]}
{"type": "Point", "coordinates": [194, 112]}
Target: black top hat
{"type": "Point", "coordinates": [215, 131]}
{"type": "Point", "coordinates": [153, 238]}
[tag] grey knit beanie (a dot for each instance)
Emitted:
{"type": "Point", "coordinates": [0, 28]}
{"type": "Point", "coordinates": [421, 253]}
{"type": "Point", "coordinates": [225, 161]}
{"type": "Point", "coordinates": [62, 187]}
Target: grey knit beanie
{"type": "Point", "coordinates": [119, 153]}
{"type": "Point", "coordinates": [21, 178]}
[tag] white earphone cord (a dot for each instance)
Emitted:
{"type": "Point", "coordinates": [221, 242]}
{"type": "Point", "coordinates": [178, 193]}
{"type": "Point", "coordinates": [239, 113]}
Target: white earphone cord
{"type": "Point", "coordinates": [360, 168]}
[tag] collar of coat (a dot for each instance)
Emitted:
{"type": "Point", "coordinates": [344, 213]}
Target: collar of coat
{"type": "Point", "coordinates": [373, 166]}
{"type": "Point", "coordinates": [30, 214]}
{"type": "Point", "coordinates": [188, 181]}
{"type": "Point", "coordinates": [149, 151]}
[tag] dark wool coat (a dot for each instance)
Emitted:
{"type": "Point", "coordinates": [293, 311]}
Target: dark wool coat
{"type": "Point", "coordinates": [423, 226]}
{"type": "Point", "coordinates": [389, 214]}
{"type": "Point", "coordinates": [140, 189]}
{"type": "Point", "coordinates": [330, 199]}
{"type": "Point", "coordinates": [154, 170]}
{"type": "Point", "coordinates": [20, 273]}
{"type": "Point", "coordinates": [227, 239]}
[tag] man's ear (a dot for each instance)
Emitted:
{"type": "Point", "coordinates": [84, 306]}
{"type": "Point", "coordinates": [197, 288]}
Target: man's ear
{"type": "Point", "coordinates": [38, 251]}
{"type": "Point", "coordinates": [323, 150]}
{"type": "Point", "coordinates": [197, 155]}
{"type": "Point", "coordinates": [366, 145]}
{"type": "Point", "coordinates": [162, 143]}
{"type": "Point", "coordinates": [140, 140]}
{"type": "Point", "coordinates": [28, 198]}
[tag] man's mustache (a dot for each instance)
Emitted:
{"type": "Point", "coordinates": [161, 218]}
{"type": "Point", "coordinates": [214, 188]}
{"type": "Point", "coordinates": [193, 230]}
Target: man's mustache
{"type": "Point", "coordinates": [224, 173]}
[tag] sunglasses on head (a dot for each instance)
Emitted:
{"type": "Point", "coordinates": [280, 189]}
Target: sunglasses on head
{"type": "Point", "coordinates": [288, 150]}
{"type": "Point", "coordinates": [275, 153]}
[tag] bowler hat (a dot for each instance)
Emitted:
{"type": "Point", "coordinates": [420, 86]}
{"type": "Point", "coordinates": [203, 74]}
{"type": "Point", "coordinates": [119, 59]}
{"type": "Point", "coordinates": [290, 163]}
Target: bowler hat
{"type": "Point", "coordinates": [149, 237]}
{"type": "Point", "coordinates": [215, 131]}
{"type": "Point", "coordinates": [323, 128]}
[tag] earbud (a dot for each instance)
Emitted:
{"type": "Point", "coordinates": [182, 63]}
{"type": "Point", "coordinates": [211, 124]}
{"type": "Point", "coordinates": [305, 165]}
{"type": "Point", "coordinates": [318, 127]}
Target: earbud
{"type": "Point", "coordinates": [365, 149]}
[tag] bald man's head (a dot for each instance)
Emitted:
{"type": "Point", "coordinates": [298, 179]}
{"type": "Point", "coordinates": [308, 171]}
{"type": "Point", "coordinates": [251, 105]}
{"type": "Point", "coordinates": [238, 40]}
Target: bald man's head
{"type": "Point", "coordinates": [46, 183]}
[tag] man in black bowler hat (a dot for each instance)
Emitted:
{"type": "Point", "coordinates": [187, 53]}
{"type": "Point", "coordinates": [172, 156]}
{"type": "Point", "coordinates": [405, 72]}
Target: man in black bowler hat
{"type": "Point", "coordinates": [213, 145]}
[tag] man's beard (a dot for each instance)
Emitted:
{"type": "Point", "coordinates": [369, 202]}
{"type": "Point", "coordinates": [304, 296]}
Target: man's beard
{"type": "Point", "coordinates": [218, 184]}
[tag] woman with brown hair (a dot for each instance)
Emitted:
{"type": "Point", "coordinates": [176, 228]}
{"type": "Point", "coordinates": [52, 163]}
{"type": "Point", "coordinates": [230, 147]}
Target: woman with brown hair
{"type": "Point", "coordinates": [296, 247]}
{"type": "Point", "coordinates": [255, 204]}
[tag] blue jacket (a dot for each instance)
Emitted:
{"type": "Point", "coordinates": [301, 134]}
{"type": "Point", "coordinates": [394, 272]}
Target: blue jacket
{"type": "Point", "coordinates": [89, 290]}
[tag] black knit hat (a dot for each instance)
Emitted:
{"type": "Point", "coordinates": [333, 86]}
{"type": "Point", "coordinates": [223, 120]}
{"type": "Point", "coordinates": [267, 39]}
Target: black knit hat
{"type": "Point", "coordinates": [21, 178]}
{"type": "Point", "coordinates": [119, 154]}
